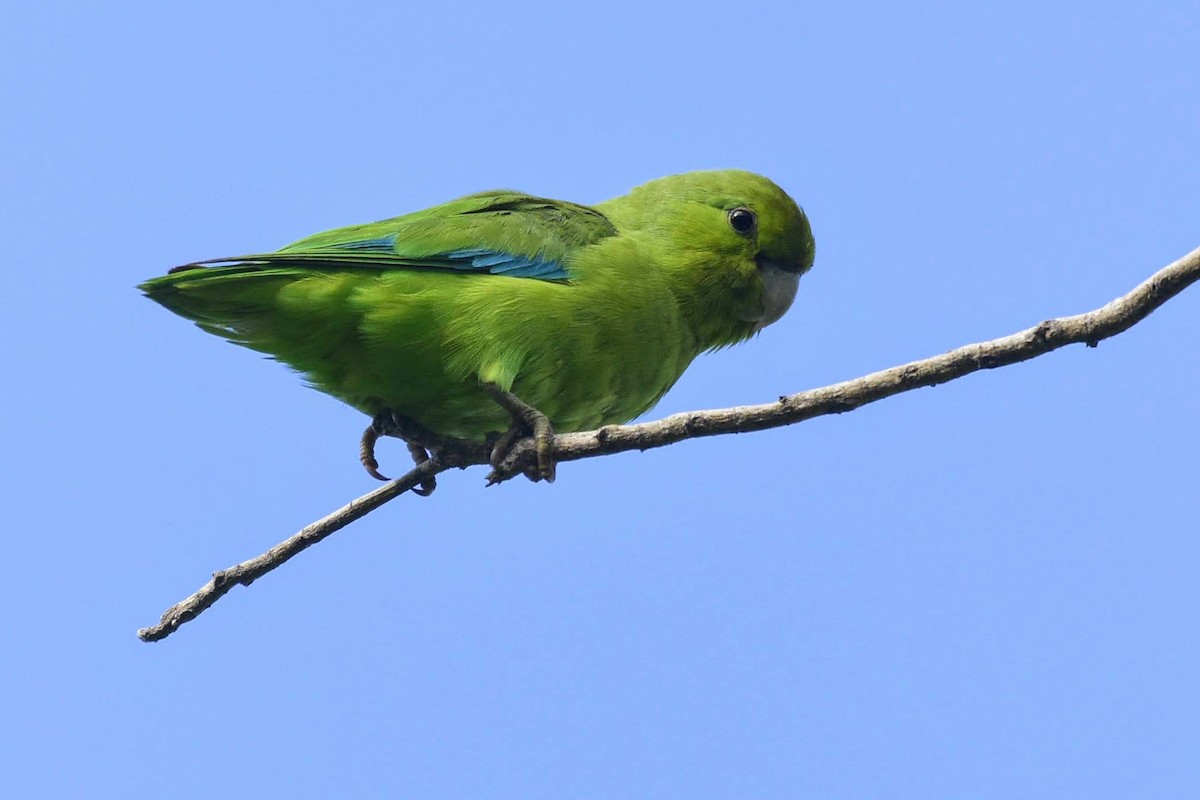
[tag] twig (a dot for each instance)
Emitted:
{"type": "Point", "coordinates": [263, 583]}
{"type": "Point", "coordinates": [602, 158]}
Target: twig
{"type": "Point", "coordinates": [1089, 328]}
{"type": "Point", "coordinates": [247, 572]}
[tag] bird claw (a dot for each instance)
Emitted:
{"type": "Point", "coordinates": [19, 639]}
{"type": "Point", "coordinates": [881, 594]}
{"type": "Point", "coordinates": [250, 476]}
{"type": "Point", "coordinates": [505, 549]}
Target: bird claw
{"type": "Point", "coordinates": [510, 467]}
{"type": "Point", "coordinates": [508, 458]}
{"type": "Point", "coordinates": [366, 453]}
{"type": "Point", "coordinates": [419, 457]}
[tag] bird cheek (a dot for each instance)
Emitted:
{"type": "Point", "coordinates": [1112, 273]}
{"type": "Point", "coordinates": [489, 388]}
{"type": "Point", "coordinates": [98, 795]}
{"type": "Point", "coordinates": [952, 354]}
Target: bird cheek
{"type": "Point", "coordinates": [749, 301]}
{"type": "Point", "coordinates": [751, 311]}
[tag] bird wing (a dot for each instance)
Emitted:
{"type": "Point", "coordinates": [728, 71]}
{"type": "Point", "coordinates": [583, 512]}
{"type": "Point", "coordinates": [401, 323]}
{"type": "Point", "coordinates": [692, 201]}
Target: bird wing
{"type": "Point", "coordinates": [490, 233]}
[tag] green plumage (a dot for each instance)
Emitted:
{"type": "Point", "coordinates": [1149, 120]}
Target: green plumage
{"type": "Point", "coordinates": [406, 316]}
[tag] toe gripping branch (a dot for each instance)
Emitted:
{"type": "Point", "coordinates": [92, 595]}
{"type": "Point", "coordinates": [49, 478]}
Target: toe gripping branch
{"type": "Point", "coordinates": [526, 421]}
{"type": "Point", "coordinates": [392, 425]}
{"type": "Point", "coordinates": [505, 457]}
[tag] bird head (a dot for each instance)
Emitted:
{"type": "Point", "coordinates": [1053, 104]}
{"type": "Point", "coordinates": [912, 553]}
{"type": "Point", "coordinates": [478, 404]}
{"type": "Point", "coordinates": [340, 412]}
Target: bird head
{"type": "Point", "coordinates": [733, 246]}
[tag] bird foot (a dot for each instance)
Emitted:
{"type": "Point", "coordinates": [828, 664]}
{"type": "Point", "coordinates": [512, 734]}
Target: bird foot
{"type": "Point", "coordinates": [419, 457]}
{"type": "Point", "coordinates": [506, 458]}
{"type": "Point", "coordinates": [391, 424]}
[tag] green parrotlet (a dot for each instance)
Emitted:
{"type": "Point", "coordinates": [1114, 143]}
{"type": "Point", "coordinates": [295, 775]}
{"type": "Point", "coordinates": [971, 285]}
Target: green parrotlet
{"type": "Point", "coordinates": [500, 314]}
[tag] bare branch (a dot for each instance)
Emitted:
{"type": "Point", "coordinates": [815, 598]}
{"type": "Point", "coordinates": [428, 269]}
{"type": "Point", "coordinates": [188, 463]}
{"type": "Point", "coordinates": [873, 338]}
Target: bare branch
{"type": "Point", "coordinates": [247, 572]}
{"type": "Point", "coordinates": [1089, 329]}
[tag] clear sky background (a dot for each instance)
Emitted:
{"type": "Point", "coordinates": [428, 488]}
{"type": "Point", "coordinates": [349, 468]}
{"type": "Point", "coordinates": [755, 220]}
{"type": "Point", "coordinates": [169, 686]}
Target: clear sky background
{"type": "Point", "coordinates": [984, 590]}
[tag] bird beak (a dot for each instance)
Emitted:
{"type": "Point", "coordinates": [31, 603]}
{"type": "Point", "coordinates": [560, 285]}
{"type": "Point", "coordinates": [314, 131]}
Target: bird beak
{"type": "Point", "coordinates": [779, 290]}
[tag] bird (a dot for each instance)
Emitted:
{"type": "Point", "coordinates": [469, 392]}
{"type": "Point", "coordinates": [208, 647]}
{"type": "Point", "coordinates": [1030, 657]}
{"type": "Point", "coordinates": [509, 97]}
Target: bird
{"type": "Point", "coordinates": [502, 315]}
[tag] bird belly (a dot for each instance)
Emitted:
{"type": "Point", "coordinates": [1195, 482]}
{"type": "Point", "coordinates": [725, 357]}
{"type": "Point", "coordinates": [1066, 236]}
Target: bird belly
{"type": "Point", "coordinates": [580, 361]}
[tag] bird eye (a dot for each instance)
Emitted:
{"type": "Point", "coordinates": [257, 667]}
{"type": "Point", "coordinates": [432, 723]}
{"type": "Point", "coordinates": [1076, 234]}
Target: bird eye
{"type": "Point", "coordinates": [743, 220]}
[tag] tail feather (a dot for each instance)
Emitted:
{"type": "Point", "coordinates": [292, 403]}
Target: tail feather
{"type": "Point", "coordinates": [288, 313]}
{"type": "Point", "coordinates": [232, 302]}
{"type": "Point", "coordinates": [311, 320]}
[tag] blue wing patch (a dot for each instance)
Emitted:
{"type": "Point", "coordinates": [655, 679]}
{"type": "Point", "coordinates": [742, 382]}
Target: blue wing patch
{"type": "Point", "coordinates": [475, 259]}
{"type": "Point", "coordinates": [484, 260]}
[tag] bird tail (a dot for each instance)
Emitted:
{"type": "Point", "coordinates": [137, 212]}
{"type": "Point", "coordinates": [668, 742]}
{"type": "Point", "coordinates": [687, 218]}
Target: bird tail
{"type": "Point", "coordinates": [230, 301]}
{"type": "Point", "coordinates": [265, 306]}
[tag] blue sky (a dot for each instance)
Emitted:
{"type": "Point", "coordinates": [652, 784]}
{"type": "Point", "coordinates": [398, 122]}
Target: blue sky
{"type": "Point", "coordinates": [983, 590]}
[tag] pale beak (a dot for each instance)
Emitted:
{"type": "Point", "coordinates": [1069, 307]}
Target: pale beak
{"type": "Point", "coordinates": [779, 290]}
